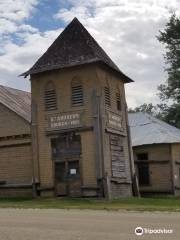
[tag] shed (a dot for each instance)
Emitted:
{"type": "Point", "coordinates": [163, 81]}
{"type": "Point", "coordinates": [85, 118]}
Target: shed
{"type": "Point", "coordinates": [156, 148]}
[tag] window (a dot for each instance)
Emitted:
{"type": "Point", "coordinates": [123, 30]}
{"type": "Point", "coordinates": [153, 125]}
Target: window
{"type": "Point", "coordinates": [60, 171]}
{"type": "Point", "coordinates": [50, 97]}
{"type": "Point", "coordinates": [66, 145]}
{"type": "Point", "coordinates": [118, 101]}
{"type": "Point", "coordinates": [142, 156]}
{"type": "Point", "coordinates": [107, 96]}
{"type": "Point", "coordinates": [77, 92]}
{"type": "Point", "coordinates": [73, 168]}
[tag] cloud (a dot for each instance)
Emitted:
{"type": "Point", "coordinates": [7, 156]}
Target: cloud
{"type": "Point", "coordinates": [16, 10]}
{"type": "Point", "coordinates": [21, 44]}
{"type": "Point", "coordinates": [127, 31]}
{"type": "Point", "coordinates": [19, 58]}
{"type": "Point", "coordinates": [13, 14]}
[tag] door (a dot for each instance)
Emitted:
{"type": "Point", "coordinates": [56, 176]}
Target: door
{"type": "Point", "coordinates": [143, 169]}
{"type": "Point", "coordinates": [143, 172]}
{"type": "Point", "coordinates": [74, 183]}
{"type": "Point", "coordinates": [66, 155]}
{"type": "Point", "coordinates": [60, 178]}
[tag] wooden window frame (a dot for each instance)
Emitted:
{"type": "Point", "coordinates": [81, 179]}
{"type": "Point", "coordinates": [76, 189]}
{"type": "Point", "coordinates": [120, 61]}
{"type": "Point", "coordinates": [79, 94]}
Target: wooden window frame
{"type": "Point", "coordinates": [77, 93]}
{"type": "Point", "coordinates": [118, 101]}
{"type": "Point", "coordinates": [107, 96]}
{"type": "Point", "coordinates": [50, 97]}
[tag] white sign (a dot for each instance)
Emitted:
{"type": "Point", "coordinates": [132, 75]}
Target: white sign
{"type": "Point", "coordinates": [73, 171]}
{"type": "Point", "coordinates": [65, 120]}
{"type": "Point", "coordinates": [115, 121]}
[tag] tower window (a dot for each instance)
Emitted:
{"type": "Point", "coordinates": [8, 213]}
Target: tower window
{"type": "Point", "coordinates": [107, 96]}
{"type": "Point", "coordinates": [77, 93]}
{"type": "Point", "coordinates": [50, 97]}
{"type": "Point", "coordinates": [118, 101]}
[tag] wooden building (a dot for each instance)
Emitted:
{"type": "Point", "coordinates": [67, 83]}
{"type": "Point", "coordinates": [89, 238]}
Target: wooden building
{"type": "Point", "coordinates": [156, 147]}
{"type": "Point", "coordinates": [79, 120]}
{"type": "Point", "coordinates": [15, 143]}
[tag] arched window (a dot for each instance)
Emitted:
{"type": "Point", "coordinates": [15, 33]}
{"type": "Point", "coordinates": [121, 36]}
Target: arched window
{"type": "Point", "coordinates": [107, 96]}
{"type": "Point", "coordinates": [77, 95]}
{"type": "Point", "coordinates": [50, 97]}
{"type": "Point", "coordinates": [118, 101]}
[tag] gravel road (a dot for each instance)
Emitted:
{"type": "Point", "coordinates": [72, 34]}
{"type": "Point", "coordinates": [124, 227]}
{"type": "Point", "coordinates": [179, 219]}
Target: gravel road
{"type": "Point", "coordinates": [48, 224]}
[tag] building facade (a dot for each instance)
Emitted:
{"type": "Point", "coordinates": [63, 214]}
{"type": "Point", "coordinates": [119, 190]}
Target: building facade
{"type": "Point", "coordinates": [156, 148]}
{"type": "Point", "coordinates": [16, 169]}
{"type": "Point", "coordinates": [79, 120]}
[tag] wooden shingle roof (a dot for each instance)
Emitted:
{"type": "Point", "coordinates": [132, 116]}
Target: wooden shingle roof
{"type": "Point", "coordinates": [17, 101]}
{"type": "Point", "coordinates": [74, 46]}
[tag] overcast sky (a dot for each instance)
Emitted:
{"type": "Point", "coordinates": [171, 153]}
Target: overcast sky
{"type": "Point", "coordinates": [126, 29]}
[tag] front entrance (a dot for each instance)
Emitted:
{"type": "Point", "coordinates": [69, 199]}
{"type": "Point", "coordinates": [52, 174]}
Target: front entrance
{"type": "Point", "coordinates": [66, 155]}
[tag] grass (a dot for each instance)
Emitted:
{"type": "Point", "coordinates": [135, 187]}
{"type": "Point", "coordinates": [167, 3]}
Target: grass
{"type": "Point", "coordinates": [132, 204]}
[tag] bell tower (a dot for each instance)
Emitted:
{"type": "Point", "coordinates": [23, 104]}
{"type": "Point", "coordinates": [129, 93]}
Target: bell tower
{"type": "Point", "coordinates": [79, 120]}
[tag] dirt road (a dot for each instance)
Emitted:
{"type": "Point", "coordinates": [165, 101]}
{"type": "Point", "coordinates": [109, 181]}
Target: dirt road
{"type": "Point", "coordinates": [21, 224]}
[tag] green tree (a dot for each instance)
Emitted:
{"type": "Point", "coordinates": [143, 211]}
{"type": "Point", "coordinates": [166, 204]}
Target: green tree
{"type": "Point", "coordinates": [169, 92]}
{"type": "Point", "coordinates": [145, 107]}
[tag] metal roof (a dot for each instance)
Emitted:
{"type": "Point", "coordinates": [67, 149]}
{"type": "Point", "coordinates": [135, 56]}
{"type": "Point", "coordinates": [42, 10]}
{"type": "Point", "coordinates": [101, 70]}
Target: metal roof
{"type": "Point", "coordinates": [74, 46]}
{"type": "Point", "coordinates": [146, 129]}
{"type": "Point", "coordinates": [16, 100]}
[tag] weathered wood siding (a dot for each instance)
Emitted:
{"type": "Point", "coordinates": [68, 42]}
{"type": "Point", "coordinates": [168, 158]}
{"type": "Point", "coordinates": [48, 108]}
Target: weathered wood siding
{"type": "Point", "coordinates": [62, 81]}
{"type": "Point", "coordinates": [15, 155]}
{"type": "Point", "coordinates": [160, 167]}
{"type": "Point", "coordinates": [93, 79]}
{"type": "Point", "coordinates": [175, 150]}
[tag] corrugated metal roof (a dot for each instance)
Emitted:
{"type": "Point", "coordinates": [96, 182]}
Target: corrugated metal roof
{"type": "Point", "coordinates": [16, 100]}
{"type": "Point", "coordinates": [146, 129]}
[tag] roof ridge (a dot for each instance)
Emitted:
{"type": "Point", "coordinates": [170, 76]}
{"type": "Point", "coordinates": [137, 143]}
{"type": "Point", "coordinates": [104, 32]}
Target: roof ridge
{"type": "Point", "coordinates": [16, 100]}
{"type": "Point", "coordinates": [8, 87]}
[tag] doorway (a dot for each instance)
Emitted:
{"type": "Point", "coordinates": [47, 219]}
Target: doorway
{"type": "Point", "coordinates": [143, 169]}
{"type": "Point", "coordinates": [66, 151]}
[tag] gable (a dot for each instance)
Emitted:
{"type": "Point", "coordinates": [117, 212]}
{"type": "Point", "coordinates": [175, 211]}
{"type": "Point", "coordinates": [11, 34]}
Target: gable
{"type": "Point", "coordinates": [11, 123]}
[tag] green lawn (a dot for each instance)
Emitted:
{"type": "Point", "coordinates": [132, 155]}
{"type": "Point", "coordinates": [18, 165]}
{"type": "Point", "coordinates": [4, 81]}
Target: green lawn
{"type": "Point", "coordinates": [137, 204]}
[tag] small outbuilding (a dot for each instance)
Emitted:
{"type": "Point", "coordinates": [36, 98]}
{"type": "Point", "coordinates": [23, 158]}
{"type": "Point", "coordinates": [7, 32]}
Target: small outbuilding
{"type": "Point", "coordinates": [156, 148]}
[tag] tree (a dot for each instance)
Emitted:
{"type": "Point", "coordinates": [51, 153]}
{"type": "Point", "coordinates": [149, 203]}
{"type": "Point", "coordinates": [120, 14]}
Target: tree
{"type": "Point", "coordinates": [146, 108]}
{"type": "Point", "coordinates": [170, 91]}
{"type": "Point", "coordinates": [169, 108]}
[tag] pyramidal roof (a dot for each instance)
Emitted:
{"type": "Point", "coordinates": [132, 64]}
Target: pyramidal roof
{"type": "Point", "coordinates": [74, 46]}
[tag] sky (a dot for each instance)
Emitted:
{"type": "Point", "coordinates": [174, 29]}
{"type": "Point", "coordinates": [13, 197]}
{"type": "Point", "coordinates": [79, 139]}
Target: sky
{"type": "Point", "coordinates": [126, 29]}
